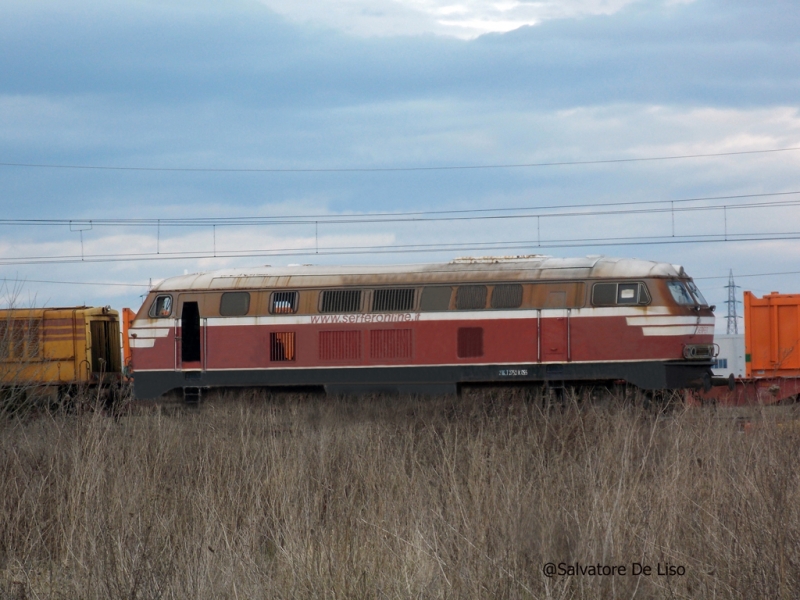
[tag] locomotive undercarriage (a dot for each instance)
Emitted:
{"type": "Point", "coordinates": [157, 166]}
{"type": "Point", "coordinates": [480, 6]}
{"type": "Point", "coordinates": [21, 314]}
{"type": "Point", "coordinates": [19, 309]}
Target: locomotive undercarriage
{"type": "Point", "coordinates": [647, 375]}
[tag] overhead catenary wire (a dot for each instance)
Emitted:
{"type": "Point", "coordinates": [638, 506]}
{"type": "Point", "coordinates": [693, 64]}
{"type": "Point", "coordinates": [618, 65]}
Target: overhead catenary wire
{"type": "Point", "coordinates": [424, 216]}
{"type": "Point", "coordinates": [395, 169]}
{"type": "Point", "coordinates": [526, 245]}
{"type": "Point", "coordinates": [23, 280]}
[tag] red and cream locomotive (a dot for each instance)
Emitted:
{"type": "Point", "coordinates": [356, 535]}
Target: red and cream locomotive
{"type": "Point", "coordinates": [425, 328]}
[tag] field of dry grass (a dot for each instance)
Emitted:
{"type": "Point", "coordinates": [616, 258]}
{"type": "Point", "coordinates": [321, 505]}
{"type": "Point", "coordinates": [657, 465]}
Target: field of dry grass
{"type": "Point", "coordinates": [303, 496]}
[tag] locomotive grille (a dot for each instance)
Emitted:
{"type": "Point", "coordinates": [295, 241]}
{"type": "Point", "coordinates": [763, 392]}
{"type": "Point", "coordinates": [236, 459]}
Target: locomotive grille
{"type": "Point", "coordinates": [390, 343]}
{"type": "Point", "coordinates": [393, 300]}
{"type": "Point", "coordinates": [339, 345]}
{"type": "Point", "coordinates": [507, 296]}
{"type": "Point", "coordinates": [471, 297]}
{"type": "Point", "coordinates": [341, 301]}
{"type": "Point", "coordinates": [19, 339]}
{"type": "Point", "coordinates": [282, 346]}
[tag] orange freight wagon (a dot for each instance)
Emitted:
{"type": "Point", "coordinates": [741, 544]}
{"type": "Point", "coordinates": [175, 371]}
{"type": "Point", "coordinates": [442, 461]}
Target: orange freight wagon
{"type": "Point", "coordinates": [772, 354]}
{"type": "Point", "coordinates": [59, 347]}
{"type": "Point", "coordinates": [772, 333]}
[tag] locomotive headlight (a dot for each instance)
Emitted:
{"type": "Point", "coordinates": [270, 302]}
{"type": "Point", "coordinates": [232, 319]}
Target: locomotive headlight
{"type": "Point", "coordinates": [700, 351]}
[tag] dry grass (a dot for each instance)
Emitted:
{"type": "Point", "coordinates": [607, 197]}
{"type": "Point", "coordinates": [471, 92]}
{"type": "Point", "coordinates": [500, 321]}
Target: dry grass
{"type": "Point", "coordinates": [293, 497]}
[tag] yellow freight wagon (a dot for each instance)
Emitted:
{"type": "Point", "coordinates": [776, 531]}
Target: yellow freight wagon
{"type": "Point", "coordinates": [59, 347]}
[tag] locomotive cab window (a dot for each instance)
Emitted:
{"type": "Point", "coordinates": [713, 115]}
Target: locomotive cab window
{"type": "Point", "coordinates": [283, 303]}
{"type": "Point", "coordinates": [696, 293]}
{"type": "Point", "coordinates": [679, 293]}
{"type": "Point", "coordinates": [162, 307]}
{"type": "Point", "coordinates": [234, 304]}
{"type": "Point", "coordinates": [612, 294]}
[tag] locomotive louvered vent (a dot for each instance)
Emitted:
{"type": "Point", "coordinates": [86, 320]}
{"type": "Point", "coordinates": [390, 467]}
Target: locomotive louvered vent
{"type": "Point", "coordinates": [283, 303]}
{"type": "Point", "coordinates": [390, 343]}
{"type": "Point", "coordinates": [19, 339]}
{"type": "Point", "coordinates": [281, 346]}
{"type": "Point", "coordinates": [507, 296]}
{"type": "Point", "coordinates": [339, 345]}
{"type": "Point", "coordinates": [234, 304]}
{"type": "Point", "coordinates": [341, 301]}
{"type": "Point", "coordinates": [471, 297]}
{"type": "Point", "coordinates": [435, 298]}
{"type": "Point", "coordinates": [393, 300]}
{"type": "Point", "coordinates": [470, 342]}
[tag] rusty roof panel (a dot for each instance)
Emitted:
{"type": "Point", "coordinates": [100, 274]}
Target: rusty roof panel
{"type": "Point", "coordinates": [468, 269]}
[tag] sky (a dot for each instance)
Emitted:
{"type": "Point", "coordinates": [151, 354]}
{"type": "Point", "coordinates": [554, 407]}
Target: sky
{"type": "Point", "coordinates": [299, 120]}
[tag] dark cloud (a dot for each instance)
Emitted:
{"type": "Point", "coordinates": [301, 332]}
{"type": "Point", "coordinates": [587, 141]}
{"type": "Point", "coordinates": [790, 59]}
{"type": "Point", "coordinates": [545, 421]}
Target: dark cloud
{"type": "Point", "coordinates": [710, 51]}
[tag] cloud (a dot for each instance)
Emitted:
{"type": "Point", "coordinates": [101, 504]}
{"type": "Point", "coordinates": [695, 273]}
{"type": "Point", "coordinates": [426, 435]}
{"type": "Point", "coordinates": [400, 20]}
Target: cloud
{"type": "Point", "coordinates": [461, 19]}
{"type": "Point", "coordinates": [227, 85]}
{"type": "Point", "coordinates": [708, 52]}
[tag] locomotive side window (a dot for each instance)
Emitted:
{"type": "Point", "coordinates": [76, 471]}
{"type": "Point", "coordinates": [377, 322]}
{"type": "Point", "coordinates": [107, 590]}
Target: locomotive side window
{"type": "Point", "coordinates": [604, 294]}
{"type": "Point", "coordinates": [340, 301]}
{"type": "Point", "coordinates": [162, 307]}
{"type": "Point", "coordinates": [435, 298]}
{"type": "Point", "coordinates": [507, 296]}
{"type": "Point", "coordinates": [612, 294]}
{"type": "Point", "coordinates": [627, 293]}
{"type": "Point", "coordinates": [393, 300]}
{"type": "Point", "coordinates": [679, 293]}
{"type": "Point", "coordinates": [234, 304]}
{"type": "Point", "coordinates": [283, 303]}
{"type": "Point", "coordinates": [470, 297]}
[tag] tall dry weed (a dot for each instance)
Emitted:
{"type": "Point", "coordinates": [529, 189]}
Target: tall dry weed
{"type": "Point", "coordinates": [302, 496]}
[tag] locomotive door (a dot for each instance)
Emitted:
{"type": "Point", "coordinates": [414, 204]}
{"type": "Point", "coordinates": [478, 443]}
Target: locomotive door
{"type": "Point", "coordinates": [554, 342]}
{"type": "Point", "coordinates": [189, 345]}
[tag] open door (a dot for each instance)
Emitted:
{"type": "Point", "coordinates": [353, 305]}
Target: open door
{"type": "Point", "coordinates": [191, 355]}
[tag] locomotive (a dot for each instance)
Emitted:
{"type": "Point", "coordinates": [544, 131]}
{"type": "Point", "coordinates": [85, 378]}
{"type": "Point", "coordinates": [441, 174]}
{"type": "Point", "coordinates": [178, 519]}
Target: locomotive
{"type": "Point", "coordinates": [426, 328]}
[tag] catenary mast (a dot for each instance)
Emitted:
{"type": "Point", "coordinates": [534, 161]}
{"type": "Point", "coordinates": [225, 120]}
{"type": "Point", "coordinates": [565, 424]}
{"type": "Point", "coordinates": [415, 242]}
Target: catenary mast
{"type": "Point", "coordinates": [733, 318]}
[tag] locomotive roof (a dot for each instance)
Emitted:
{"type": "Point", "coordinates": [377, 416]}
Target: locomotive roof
{"type": "Point", "coordinates": [467, 269]}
